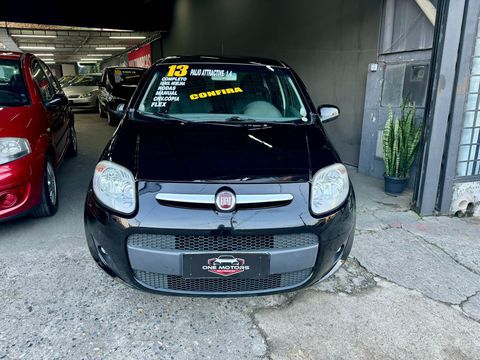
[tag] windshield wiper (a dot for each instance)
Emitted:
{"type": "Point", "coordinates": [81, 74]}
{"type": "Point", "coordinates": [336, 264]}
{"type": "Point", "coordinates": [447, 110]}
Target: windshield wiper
{"type": "Point", "coordinates": [163, 116]}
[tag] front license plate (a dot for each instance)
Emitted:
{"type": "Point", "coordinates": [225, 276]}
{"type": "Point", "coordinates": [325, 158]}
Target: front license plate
{"type": "Point", "coordinates": [231, 265]}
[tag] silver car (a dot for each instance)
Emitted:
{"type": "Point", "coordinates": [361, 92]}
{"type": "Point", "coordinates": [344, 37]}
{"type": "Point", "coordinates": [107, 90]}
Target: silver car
{"type": "Point", "coordinates": [82, 91]}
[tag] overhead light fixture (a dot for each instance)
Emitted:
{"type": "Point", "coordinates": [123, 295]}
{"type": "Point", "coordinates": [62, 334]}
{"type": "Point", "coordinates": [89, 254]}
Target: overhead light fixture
{"type": "Point", "coordinates": [44, 54]}
{"type": "Point", "coordinates": [37, 47]}
{"type": "Point", "coordinates": [33, 36]}
{"type": "Point", "coordinates": [128, 37]}
{"type": "Point", "coordinates": [111, 48]}
{"type": "Point", "coordinates": [46, 60]}
{"type": "Point", "coordinates": [87, 62]}
{"type": "Point", "coordinates": [99, 54]}
{"type": "Point", "coordinates": [50, 62]}
{"type": "Point", "coordinates": [91, 59]}
{"type": "Point", "coordinates": [116, 30]}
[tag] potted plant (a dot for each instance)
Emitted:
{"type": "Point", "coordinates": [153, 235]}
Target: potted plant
{"type": "Point", "coordinates": [401, 137]}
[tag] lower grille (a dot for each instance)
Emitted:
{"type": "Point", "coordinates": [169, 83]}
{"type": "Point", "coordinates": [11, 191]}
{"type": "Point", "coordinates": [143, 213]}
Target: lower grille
{"type": "Point", "coordinates": [221, 285]}
{"type": "Point", "coordinates": [221, 243]}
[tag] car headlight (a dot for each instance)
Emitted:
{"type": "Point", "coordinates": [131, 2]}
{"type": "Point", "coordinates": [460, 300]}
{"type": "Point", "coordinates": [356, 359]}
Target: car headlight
{"type": "Point", "coordinates": [330, 188]}
{"type": "Point", "coordinates": [87, 95]}
{"type": "Point", "coordinates": [13, 149]}
{"type": "Point", "coordinates": [114, 187]}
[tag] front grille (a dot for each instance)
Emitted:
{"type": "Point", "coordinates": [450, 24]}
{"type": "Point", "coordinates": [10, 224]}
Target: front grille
{"type": "Point", "coordinates": [221, 285]}
{"type": "Point", "coordinates": [221, 243]}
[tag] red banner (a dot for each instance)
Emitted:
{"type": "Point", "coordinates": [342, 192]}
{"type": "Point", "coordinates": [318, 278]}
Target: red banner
{"type": "Point", "coordinates": [141, 57]}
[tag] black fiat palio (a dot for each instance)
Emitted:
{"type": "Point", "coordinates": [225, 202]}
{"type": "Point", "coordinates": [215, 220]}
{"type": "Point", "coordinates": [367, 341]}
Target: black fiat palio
{"type": "Point", "coordinates": [220, 181]}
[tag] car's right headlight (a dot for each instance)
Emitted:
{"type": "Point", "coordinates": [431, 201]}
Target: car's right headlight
{"type": "Point", "coordinates": [114, 187]}
{"type": "Point", "coordinates": [13, 149]}
{"type": "Point", "coordinates": [330, 188]}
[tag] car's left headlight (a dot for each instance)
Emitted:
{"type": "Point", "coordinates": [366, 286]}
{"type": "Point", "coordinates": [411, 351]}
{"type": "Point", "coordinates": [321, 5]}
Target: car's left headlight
{"type": "Point", "coordinates": [114, 187]}
{"type": "Point", "coordinates": [330, 188]}
{"type": "Point", "coordinates": [13, 149]}
{"type": "Point", "coordinates": [87, 95]}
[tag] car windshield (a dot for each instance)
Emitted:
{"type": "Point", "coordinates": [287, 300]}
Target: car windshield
{"type": "Point", "coordinates": [12, 85]}
{"type": "Point", "coordinates": [125, 77]}
{"type": "Point", "coordinates": [85, 80]}
{"type": "Point", "coordinates": [223, 92]}
{"type": "Point", "coordinates": [65, 80]}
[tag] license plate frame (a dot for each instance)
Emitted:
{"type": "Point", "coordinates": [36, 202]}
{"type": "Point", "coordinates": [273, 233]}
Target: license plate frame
{"type": "Point", "coordinates": [241, 265]}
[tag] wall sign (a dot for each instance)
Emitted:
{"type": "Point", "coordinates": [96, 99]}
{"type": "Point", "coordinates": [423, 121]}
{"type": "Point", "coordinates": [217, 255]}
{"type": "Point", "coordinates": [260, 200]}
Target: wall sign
{"type": "Point", "coordinates": [141, 57]}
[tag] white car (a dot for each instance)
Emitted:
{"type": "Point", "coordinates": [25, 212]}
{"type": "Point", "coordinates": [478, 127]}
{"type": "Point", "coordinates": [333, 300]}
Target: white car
{"type": "Point", "coordinates": [226, 260]}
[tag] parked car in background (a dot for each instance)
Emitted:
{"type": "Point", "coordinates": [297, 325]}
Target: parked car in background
{"type": "Point", "coordinates": [82, 91]}
{"type": "Point", "coordinates": [65, 80]}
{"type": "Point", "coordinates": [36, 133]}
{"type": "Point", "coordinates": [117, 86]}
{"type": "Point", "coordinates": [217, 161]}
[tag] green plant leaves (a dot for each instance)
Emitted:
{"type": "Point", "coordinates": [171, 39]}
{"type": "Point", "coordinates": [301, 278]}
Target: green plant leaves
{"type": "Point", "coordinates": [401, 137]}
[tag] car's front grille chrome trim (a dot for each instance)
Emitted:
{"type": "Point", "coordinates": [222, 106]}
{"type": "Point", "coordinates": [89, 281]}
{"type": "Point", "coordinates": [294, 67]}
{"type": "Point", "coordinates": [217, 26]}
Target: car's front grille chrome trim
{"type": "Point", "coordinates": [209, 199]}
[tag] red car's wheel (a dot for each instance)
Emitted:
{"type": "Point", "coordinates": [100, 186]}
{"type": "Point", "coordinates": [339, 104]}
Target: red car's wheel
{"type": "Point", "coordinates": [49, 204]}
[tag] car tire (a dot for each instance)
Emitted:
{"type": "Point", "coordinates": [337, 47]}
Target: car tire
{"type": "Point", "coordinates": [111, 120]}
{"type": "Point", "coordinates": [49, 204]}
{"type": "Point", "coordinates": [72, 150]}
{"type": "Point", "coordinates": [101, 112]}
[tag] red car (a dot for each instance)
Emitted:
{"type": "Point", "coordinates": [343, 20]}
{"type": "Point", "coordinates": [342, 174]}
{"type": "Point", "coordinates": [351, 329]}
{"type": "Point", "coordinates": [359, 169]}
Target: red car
{"type": "Point", "coordinates": [36, 132]}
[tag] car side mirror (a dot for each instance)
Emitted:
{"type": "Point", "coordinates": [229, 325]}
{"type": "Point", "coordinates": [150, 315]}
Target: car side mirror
{"type": "Point", "coordinates": [58, 100]}
{"type": "Point", "coordinates": [118, 108]}
{"type": "Point", "coordinates": [328, 113]}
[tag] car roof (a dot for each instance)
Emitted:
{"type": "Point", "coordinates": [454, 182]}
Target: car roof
{"type": "Point", "coordinates": [124, 67]}
{"type": "Point", "coordinates": [198, 59]}
{"type": "Point", "coordinates": [11, 55]}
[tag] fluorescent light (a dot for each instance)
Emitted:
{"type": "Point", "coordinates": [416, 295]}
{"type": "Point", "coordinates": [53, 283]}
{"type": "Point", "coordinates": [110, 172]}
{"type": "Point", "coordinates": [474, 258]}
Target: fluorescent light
{"type": "Point", "coordinates": [46, 60]}
{"type": "Point", "coordinates": [91, 59]}
{"type": "Point", "coordinates": [111, 48]}
{"type": "Point", "coordinates": [43, 55]}
{"type": "Point", "coordinates": [128, 37]}
{"type": "Point", "coordinates": [33, 36]}
{"type": "Point", "coordinates": [37, 47]}
{"type": "Point", "coordinates": [99, 54]}
{"type": "Point", "coordinates": [49, 62]}
{"type": "Point", "coordinates": [87, 62]}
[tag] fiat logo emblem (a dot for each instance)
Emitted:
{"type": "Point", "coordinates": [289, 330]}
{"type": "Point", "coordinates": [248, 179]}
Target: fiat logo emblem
{"type": "Point", "coordinates": [225, 200]}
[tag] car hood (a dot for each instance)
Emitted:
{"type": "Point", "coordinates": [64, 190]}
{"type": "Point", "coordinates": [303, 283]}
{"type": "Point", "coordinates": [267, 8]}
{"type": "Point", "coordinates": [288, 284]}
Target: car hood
{"type": "Point", "coordinates": [15, 121]}
{"type": "Point", "coordinates": [79, 90]}
{"type": "Point", "coordinates": [187, 152]}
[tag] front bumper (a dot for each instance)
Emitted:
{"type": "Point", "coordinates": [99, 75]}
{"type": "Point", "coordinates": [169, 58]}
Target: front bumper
{"type": "Point", "coordinates": [22, 179]}
{"type": "Point", "coordinates": [148, 250]}
{"type": "Point", "coordinates": [84, 103]}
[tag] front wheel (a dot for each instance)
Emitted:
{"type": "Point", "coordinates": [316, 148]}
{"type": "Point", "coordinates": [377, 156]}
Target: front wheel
{"type": "Point", "coordinates": [72, 150]}
{"type": "Point", "coordinates": [111, 119]}
{"type": "Point", "coordinates": [100, 109]}
{"type": "Point", "coordinates": [49, 204]}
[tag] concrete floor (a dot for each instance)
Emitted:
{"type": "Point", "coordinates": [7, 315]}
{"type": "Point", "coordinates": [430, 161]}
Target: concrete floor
{"type": "Point", "coordinates": [410, 291]}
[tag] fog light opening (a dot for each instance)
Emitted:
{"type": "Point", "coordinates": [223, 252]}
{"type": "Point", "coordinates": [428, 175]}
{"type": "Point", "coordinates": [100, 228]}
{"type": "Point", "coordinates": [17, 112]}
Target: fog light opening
{"type": "Point", "coordinates": [7, 200]}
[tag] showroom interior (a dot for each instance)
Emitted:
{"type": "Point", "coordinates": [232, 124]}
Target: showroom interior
{"type": "Point", "coordinates": [363, 56]}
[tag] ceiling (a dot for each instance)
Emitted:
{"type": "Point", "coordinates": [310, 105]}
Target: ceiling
{"type": "Point", "coordinates": [140, 15]}
{"type": "Point", "coordinates": [64, 44]}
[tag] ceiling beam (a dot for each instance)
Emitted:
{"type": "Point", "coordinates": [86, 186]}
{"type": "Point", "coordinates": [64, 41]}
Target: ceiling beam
{"type": "Point", "coordinates": [428, 9]}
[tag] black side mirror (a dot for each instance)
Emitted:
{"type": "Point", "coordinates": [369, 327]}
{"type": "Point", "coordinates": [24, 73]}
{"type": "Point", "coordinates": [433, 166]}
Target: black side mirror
{"type": "Point", "coordinates": [328, 113]}
{"type": "Point", "coordinates": [58, 100]}
{"type": "Point", "coordinates": [117, 108]}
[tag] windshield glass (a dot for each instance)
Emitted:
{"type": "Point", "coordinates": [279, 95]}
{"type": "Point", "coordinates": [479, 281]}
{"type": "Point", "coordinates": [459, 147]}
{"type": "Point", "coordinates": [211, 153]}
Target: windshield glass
{"type": "Point", "coordinates": [224, 92]}
{"type": "Point", "coordinates": [125, 77]}
{"type": "Point", "coordinates": [85, 80]}
{"type": "Point", "coordinates": [12, 85]}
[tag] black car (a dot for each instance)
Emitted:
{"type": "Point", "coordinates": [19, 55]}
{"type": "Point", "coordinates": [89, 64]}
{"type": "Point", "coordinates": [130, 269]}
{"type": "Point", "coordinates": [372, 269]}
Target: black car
{"type": "Point", "coordinates": [220, 158]}
{"type": "Point", "coordinates": [117, 86]}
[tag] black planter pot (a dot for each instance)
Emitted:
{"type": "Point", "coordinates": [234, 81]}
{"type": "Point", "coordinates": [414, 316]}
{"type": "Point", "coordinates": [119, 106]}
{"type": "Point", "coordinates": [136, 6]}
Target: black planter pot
{"type": "Point", "coordinates": [394, 185]}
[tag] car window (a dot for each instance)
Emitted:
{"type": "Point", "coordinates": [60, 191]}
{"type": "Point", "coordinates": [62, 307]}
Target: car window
{"type": "Point", "coordinates": [41, 79]}
{"type": "Point", "coordinates": [223, 91]}
{"type": "Point", "coordinates": [12, 84]}
{"type": "Point", "coordinates": [125, 77]}
{"type": "Point", "coordinates": [51, 78]}
{"type": "Point", "coordinates": [85, 80]}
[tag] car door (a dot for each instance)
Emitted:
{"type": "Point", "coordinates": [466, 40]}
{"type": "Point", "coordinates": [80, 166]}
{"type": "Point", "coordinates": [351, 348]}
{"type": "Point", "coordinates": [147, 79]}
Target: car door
{"type": "Point", "coordinates": [58, 117]}
{"type": "Point", "coordinates": [102, 93]}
